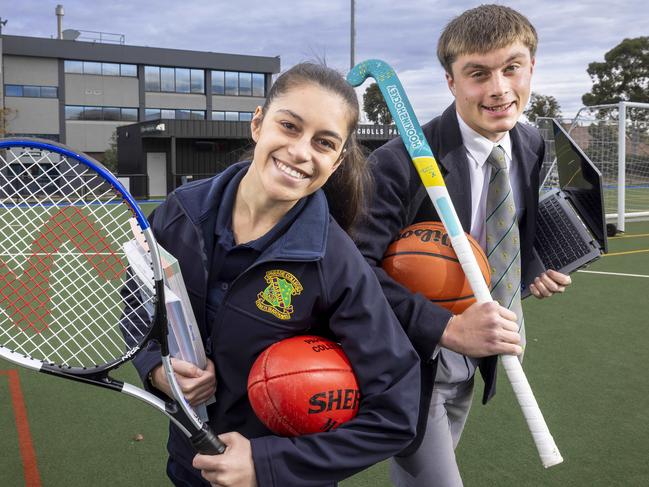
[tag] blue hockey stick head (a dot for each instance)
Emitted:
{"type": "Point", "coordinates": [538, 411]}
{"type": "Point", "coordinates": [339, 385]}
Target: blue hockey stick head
{"type": "Point", "coordinates": [397, 102]}
{"type": "Point", "coordinates": [374, 68]}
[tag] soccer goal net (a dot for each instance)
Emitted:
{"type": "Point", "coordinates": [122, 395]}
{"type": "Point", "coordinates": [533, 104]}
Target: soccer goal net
{"type": "Point", "coordinates": [616, 138]}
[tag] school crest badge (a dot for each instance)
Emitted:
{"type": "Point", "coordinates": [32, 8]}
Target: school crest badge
{"type": "Point", "coordinates": [276, 298]}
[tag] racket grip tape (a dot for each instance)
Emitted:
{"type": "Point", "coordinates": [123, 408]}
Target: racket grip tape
{"type": "Point", "coordinates": [206, 442]}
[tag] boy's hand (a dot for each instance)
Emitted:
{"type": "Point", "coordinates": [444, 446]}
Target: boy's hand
{"type": "Point", "coordinates": [483, 329]}
{"type": "Point", "coordinates": [549, 283]}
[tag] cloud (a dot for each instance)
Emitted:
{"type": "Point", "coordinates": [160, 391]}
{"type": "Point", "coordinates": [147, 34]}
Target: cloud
{"type": "Point", "coordinates": [571, 34]}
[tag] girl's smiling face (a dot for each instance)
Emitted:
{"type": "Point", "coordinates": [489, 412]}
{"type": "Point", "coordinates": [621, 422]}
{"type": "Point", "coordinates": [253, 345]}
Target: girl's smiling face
{"type": "Point", "coordinates": [299, 141]}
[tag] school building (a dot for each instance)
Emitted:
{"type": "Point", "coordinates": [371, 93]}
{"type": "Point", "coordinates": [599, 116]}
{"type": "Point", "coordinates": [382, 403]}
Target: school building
{"type": "Point", "coordinates": [79, 92]}
{"type": "Point", "coordinates": [176, 114]}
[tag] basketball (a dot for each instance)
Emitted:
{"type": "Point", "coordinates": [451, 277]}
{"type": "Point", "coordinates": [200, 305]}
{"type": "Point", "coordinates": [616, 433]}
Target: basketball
{"type": "Point", "coordinates": [423, 260]}
{"type": "Point", "coordinates": [301, 385]}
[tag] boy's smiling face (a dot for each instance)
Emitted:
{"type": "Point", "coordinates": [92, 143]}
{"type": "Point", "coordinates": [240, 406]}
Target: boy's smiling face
{"type": "Point", "coordinates": [492, 89]}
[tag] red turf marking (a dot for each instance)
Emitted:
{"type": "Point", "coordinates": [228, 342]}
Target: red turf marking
{"type": "Point", "coordinates": [26, 298]}
{"type": "Point", "coordinates": [27, 454]}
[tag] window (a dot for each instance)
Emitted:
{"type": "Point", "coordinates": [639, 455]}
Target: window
{"type": "Point", "coordinates": [151, 113]}
{"type": "Point", "coordinates": [231, 83]}
{"type": "Point", "coordinates": [178, 114]}
{"type": "Point", "coordinates": [49, 92]}
{"type": "Point", "coordinates": [238, 84]}
{"type": "Point", "coordinates": [197, 81]}
{"type": "Point", "coordinates": [73, 112]}
{"type": "Point", "coordinates": [258, 84]}
{"type": "Point", "coordinates": [218, 83]}
{"type": "Point", "coordinates": [151, 78]}
{"type": "Point", "coordinates": [92, 113]}
{"type": "Point", "coordinates": [13, 90]}
{"type": "Point", "coordinates": [31, 91]}
{"type": "Point", "coordinates": [103, 69]}
{"type": "Point", "coordinates": [17, 168]}
{"type": "Point", "coordinates": [167, 79]}
{"type": "Point", "coordinates": [128, 70]}
{"type": "Point", "coordinates": [174, 80]}
{"type": "Point", "coordinates": [91, 67]}
{"type": "Point", "coordinates": [231, 116]}
{"type": "Point", "coordinates": [111, 114]}
{"type": "Point", "coordinates": [245, 84]}
{"type": "Point", "coordinates": [75, 67]}
{"type": "Point", "coordinates": [182, 81]}
{"type": "Point", "coordinates": [129, 114]}
{"type": "Point", "coordinates": [110, 69]}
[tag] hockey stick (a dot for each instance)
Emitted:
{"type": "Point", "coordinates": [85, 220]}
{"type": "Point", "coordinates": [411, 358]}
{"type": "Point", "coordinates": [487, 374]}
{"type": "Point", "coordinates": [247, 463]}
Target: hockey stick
{"type": "Point", "coordinates": [424, 161]}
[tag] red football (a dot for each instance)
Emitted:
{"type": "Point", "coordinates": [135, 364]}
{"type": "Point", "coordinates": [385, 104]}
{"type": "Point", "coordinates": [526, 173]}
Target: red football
{"type": "Point", "coordinates": [301, 385]}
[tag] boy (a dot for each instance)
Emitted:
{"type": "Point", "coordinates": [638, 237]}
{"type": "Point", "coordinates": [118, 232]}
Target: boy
{"type": "Point", "coordinates": [488, 56]}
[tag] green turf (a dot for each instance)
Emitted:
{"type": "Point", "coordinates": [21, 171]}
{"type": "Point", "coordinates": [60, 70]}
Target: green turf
{"type": "Point", "coordinates": [90, 437]}
{"type": "Point", "coordinates": [10, 464]}
{"type": "Point", "coordinates": [636, 198]}
{"type": "Point", "coordinates": [584, 360]}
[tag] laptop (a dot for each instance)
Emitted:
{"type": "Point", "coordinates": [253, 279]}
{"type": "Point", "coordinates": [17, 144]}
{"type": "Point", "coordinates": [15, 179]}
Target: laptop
{"type": "Point", "coordinates": [571, 223]}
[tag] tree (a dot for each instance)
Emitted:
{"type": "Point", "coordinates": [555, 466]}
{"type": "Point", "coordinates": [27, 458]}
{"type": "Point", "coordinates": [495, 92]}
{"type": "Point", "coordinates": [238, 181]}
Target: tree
{"type": "Point", "coordinates": [110, 155]}
{"type": "Point", "coordinates": [542, 106]}
{"type": "Point", "coordinates": [623, 76]}
{"type": "Point", "coordinates": [6, 115]}
{"type": "Point", "coordinates": [375, 106]}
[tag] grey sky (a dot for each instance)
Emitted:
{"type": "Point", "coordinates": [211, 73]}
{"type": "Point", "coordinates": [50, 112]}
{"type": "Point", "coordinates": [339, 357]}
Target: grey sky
{"type": "Point", "coordinates": [402, 32]}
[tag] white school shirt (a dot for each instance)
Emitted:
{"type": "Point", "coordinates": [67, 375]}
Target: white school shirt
{"type": "Point", "coordinates": [478, 149]}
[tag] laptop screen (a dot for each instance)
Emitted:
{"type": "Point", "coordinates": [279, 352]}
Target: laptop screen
{"type": "Point", "coordinates": [582, 182]}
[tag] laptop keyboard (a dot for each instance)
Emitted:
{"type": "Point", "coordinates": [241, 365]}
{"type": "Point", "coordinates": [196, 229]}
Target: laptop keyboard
{"type": "Point", "coordinates": [557, 241]}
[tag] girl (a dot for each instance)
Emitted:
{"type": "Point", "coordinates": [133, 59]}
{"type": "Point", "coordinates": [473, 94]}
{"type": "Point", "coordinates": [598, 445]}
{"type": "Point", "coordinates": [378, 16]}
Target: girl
{"type": "Point", "coordinates": [270, 217]}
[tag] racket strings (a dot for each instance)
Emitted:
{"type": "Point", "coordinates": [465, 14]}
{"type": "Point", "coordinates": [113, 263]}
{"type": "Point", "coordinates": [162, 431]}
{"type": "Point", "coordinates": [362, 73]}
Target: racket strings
{"type": "Point", "coordinates": [62, 263]}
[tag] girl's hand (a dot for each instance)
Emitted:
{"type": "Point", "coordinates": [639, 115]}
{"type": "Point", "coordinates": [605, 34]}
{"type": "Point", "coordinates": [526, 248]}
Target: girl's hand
{"type": "Point", "coordinates": [234, 468]}
{"type": "Point", "coordinates": [196, 385]}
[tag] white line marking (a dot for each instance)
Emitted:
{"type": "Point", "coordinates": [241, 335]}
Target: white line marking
{"type": "Point", "coordinates": [614, 274]}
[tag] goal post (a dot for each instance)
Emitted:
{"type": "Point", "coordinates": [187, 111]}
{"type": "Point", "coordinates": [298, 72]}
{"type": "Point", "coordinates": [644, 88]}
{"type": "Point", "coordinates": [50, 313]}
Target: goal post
{"type": "Point", "coordinates": [616, 138]}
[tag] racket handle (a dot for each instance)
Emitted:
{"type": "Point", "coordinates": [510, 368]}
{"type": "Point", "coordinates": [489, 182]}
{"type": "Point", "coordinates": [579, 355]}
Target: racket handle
{"type": "Point", "coordinates": [206, 442]}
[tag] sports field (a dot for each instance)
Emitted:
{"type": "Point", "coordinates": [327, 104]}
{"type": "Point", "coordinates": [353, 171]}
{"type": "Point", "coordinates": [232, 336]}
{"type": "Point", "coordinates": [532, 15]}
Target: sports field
{"type": "Point", "coordinates": [585, 361]}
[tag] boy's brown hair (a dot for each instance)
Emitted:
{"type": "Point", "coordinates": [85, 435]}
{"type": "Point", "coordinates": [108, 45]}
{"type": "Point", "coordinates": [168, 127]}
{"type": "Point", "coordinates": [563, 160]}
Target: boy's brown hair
{"type": "Point", "coordinates": [483, 29]}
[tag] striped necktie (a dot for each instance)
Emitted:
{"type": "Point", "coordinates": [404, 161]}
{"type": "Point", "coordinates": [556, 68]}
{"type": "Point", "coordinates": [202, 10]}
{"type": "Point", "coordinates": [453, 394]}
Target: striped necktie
{"type": "Point", "coordinates": [503, 241]}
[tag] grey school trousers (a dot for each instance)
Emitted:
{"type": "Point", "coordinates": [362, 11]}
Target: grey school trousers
{"type": "Point", "coordinates": [433, 463]}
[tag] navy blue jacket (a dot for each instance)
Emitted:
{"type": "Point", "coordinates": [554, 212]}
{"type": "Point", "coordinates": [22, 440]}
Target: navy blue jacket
{"type": "Point", "coordinates": [341, 298]}
{"type": "Point", "coordinates": [401, 200]}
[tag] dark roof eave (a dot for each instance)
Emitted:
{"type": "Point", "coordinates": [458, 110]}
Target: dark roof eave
{"type": "Point", "coordinates": [119, 53]}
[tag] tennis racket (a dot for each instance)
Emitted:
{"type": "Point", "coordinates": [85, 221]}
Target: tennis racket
{"type": "Point", "coordinates": [426, 165]}
{"type": "Point", "coordinates": [70, 306]}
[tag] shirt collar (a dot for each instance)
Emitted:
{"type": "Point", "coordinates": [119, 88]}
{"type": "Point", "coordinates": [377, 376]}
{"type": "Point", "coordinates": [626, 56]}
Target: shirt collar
{"type": "Point", "coordinates": [479, 146]}
{"type": "Point", "coordinates": [223, 225]}
{"type": "Point", "coordinates": [224, 215]}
